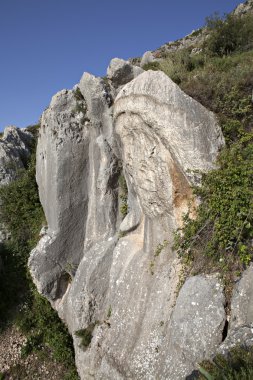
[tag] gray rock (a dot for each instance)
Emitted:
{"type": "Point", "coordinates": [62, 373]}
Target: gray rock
{"type": "Point", "coordinates": [76, 173]}
{"type": "Point", "coordinates": [158, 134]}
{"type": "Point", "coordinates": [62, 158]}
{"type": "Point", "coordinates": [241, 321]}
{"type": "Point", "coordinates": [163, 133]}
{"type": "Point", "coordinates": [196, 326]}
{"type": "Point", "coordinates": [242, 8]}
{"type": "Point", "coordinates": [240, 336]}
{"type": "Point", "coordinates": [121, 72]}
{"type": "Point", "coordinates": [147, 58]}
{"type": "Point", "coordinates": [242, 300]}
{"type": "Point", "coordinates": [14, 150]}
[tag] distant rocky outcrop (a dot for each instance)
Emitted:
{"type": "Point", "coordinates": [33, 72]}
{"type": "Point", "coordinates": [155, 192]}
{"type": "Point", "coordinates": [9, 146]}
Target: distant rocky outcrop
{"type": "Point", "coordinates": [15, 148]}
{"type": "Point", "coordinates": [14, 151]}
{"type": "Point", "coordinates": [193, 41]}
{"type": "Point", "coordinates": [119, 277]}
{"type": "Point", "coordinates": [246, 7]}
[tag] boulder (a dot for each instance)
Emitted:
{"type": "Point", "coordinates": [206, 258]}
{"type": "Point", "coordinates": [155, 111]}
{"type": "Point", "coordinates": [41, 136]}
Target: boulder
{"type": "Point", "coordinates": [196, 326]}
{"type": "Point", "coordinates": [119, 276]}
{"type": "Point", "coordinates": [121, 72]}
{"type": "Point", "coordinates": [240, 329]}
{"type": "Point", "coordinates": [147, 58]}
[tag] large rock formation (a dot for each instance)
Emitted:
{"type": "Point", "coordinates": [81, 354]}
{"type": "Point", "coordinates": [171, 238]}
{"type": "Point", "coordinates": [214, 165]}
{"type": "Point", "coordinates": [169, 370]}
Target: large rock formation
{"type": "Point", "coordinates": [120, 278]}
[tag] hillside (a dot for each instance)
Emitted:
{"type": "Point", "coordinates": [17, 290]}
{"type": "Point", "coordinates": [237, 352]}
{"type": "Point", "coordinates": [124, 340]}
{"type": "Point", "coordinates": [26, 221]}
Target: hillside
{"type": "Point", "coordinates": [144, 243]}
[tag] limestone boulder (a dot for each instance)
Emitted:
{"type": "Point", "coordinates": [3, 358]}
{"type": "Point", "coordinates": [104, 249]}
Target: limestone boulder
{"type": "Point", "coordinates": [196, 326]}
{"type": "Point", "coordinates": [147, 58]}
{"type": "Point", "coordinates": [119, 275]}
{"type": "Point", "coordinates": [121, 72]}
{"type": "Point", "coordinates": [240, 329]}
{"type": "Point", "coordinates": [74, 166]}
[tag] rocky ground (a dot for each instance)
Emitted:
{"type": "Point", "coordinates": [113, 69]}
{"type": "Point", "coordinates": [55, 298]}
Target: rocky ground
{"type": "Point", "coordinates": [15, 366]}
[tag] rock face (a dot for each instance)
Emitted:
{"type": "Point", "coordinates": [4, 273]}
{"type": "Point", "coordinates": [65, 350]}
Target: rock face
{"type": "Point", "coordinates": [121, 72]}
{"type": "Point", "coordinates": [146, 58]}
{"type": "Point", "coordinates": [246, 7]}
{"type": "Point", "coordinates": [241, 321]}
{"type": "Point", "coordinates": [14, 151]}
{"type": "Point", "coordinates": [119, 276]}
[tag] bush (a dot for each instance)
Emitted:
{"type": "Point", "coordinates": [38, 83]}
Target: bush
{"type": "Point", "coordinates": [86, 335]}
{"type": "Point", "coordinates": [43, 327]}
{"type": "Point", "coordinates": [21, 212]}
{"type": "Point", "coordinates": [123, 195]}
{"type": "Point", "coordinates": [23, 216]}
{"type": "Point", "coordinates": [224, 223]}
{"type": "Point", "coordinates": [233, 33]}
{"type": "Point", "coordinates": [237, 365]}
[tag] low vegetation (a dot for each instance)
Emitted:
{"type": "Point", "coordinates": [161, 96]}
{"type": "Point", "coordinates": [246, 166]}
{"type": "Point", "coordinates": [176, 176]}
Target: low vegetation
{"type": "Point", "coordinates": [219, 239]}
{"type": "Point", "coordinates": [20, 303]}
{"type": "Point", "coordinates": [123, 195]}
{"type": "Point", "coordinates": [85, 335]}
{"type": "Point", "coordinates": [237, 365]}
{"type": "Point", "coordinates": [220, 77]}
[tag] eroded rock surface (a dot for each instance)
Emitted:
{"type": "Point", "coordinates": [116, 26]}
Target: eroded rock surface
{"type": "Point", "coordinates": [121, 72]}
{"type": "Point", "coordinates": [241, 322]}
{"type": "Point", "coordinates": [120, 277]}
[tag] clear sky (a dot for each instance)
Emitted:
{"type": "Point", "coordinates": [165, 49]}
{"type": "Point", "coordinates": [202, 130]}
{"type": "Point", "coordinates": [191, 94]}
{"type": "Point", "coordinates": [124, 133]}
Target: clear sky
{"type": "Point", "coordinates": [46, 45]}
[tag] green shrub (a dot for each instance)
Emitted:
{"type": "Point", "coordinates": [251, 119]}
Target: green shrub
{"type": "Point", "coordinates": [152, 66]}
{"type": "Point", "coordinates": [233, 33]}
{"type": "Point", "coordinates": [43, 327]}
{"type": "Point", "coordinates": [224, 223]}
{"type": "Point", "coordinates": [86, 335]}
{"type": "Point", "coordinates": [237, 365]}
{"type": "Point", "coordinates": [23, 216]}
{"type": "Point", "coordinates": [21, 212]}
{"type": "Point", "coordinates": [78, 95]}
{"type": "Point", "coordinates": [123, 195]}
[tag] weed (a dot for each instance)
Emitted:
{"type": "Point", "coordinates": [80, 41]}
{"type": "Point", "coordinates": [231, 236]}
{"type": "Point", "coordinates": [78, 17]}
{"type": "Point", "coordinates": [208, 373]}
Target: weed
{"type": "Point", "coordinates": [123, 195]}
{"type": "Point", "coordinates": [160, 247]}
{"type": "Point", "coordinates": [157, 252]}
{"type": "Point", "coordinates": [77, 94]}
{"type": "Point", "coordinates": [151, 267]}
{"type": "Point", "coordinates": [152, 66]}
{"type": "Point", "coordinates": [224, 225]}
{"type": "Point", "coordinates": [86, 335]}
{"type": "Point", "coordinates": [109, 312]}
{"type": "Point", "coordinates": [121, 234]}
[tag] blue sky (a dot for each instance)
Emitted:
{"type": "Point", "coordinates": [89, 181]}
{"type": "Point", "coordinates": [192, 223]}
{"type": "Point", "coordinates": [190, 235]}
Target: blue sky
{"type": "Point", "coordinates": [46, 45]}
